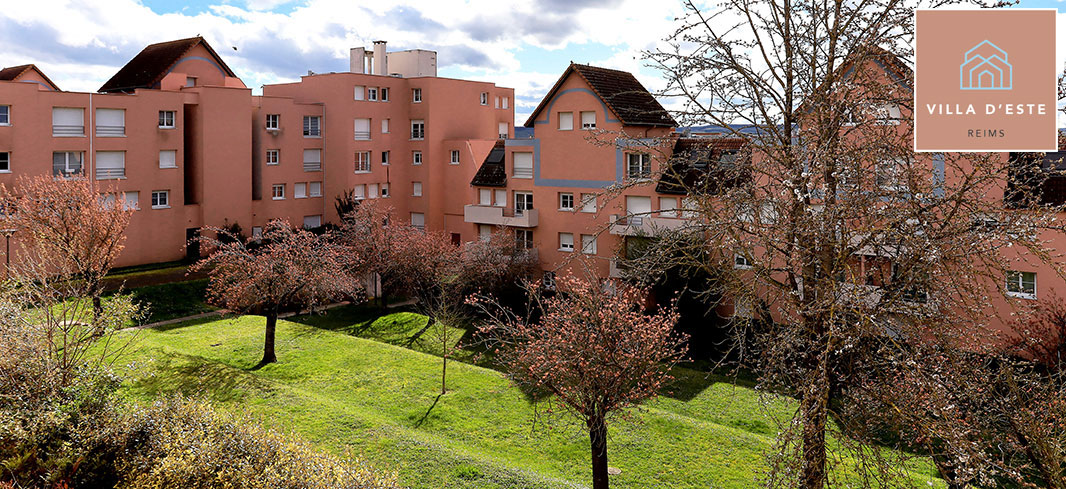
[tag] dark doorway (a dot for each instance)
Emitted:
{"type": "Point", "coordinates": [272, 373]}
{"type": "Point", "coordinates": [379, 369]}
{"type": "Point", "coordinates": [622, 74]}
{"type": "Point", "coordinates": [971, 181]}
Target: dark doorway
{"type": "Point", "coordinates": [457, 239]}
{"type": "Point", "coordinates": [192, 244]}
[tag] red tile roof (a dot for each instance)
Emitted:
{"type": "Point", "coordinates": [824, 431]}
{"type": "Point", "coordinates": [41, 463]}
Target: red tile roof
{"type": "Point", "coordinates": [153, 62]}
{"type": "Point", "coordinates": [13, 72]}
{"type": "Point", "coordinates": [620, 90]}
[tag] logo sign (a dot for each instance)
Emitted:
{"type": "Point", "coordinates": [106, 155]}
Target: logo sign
{"type": "Point", "coordinates": [985, 80]}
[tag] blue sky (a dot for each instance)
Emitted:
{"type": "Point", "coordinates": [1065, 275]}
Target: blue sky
{"type": "Point", "coordinates": [524, 45]}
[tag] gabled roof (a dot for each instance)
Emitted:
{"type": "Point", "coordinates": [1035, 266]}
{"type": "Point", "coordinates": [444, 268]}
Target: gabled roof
{"type": "Point", "coordinates": [620, 90]}
{"type": "Point", "coordinates": [492, 172]}
{"type": "Point", "coordinates": [695, 164]}
{"type": "Point", "coordinates": [153, 62]}
{"type": "Point", "coordinates": [14, 72]}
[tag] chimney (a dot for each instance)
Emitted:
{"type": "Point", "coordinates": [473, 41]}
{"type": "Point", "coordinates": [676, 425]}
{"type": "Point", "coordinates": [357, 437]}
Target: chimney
{"type": "Point", "coordinates": [357, 59]}
{"type": "Point", "coordinates": [380, 64]}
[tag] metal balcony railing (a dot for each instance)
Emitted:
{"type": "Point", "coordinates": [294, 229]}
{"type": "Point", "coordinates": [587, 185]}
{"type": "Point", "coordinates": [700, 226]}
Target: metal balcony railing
{"type": "Point", "coordinates": [106, 173]}
{"type": "Point", "coordinates": [64, 130]}
{"type": "Point", "coordinates": [112, 131]}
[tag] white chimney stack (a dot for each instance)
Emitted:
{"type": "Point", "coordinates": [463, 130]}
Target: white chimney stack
{"type": "Point", "coordinates": [381, 66]}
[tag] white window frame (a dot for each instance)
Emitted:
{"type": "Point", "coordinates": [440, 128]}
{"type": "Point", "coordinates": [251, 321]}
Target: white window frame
{"type": "Point", "coordinates": [362, 123]}
{"type": "Point", "coordinates": [5, 162]}
{"type": "Point", "coordinates": [524, 238]}
{"type": "Point", "coordinates": [360, 92]}
{"type": "Point", "coordinates": [741, 262]}
{"type": "Point", "coordinates": [564, 197]}
{"type": "Point", "coordinates": [160, 199]}
{"type": "Point", "coordinates": [1016, 284]}
{"type": "Point", "coordinates": [484, 98]}
{"type": "Point", "coordinates": [588, 203]}
{"type": "Point", "coordinates": [418, 216]}
{"type": "Point", "coordinates": [416, 95]}
{"type": "Point", "coordinates": [454, 157]}
{"type": "Point", "coordinates": [384, 94]}
{"type": "Point", "coordinates": [416, 189]}
{"type": "Point", "coordinates": [418, 129]}
{"type": "Point", "coordinates": [277, 191]}
{"type": "Point", "coordinates": [76, 129]}
{"type": "Point", "coordinates": [299, 190]}
{"type": "Point", "coordinates": [315, 161]}
{"type": "Point", "coordinates": [5, 115]}
{"type": "Point", "coordinates": [111, 130]}
{"type": "Point", "coordinates": [312, 126]}
{"type": "Point", "coordinates": [523, 172]}
{"type": "Point", "coordinates": [588, 244]}
{"type": "Point", "coordinates": [588, 123]}
{"type": "Point", "coordinates": [362, 162]}
{"type": "Point", "coordinates": [385, 158]}
{"type": "Point", "coordinates": [505, 102]}
{"type": "Point", "coordinates": [131, 200]}
{"type": "Point", "coordinates": [314, 189]}
{"type": "Point", "coordinates": [484, 196]}
{"type": "Point", "coordinates": [272, 122]}
{"type": "Point", "coordinates": [416, 158]}
{"type": "Point", "coordinates": [110, 172]}
{"type": "Point", "coordinates": [503, 130]}
{"type": "Point", "coordinates": [66, 163]}
{"type": "Point", "coordinates": [384, 126]}
{"type": "Point", "coordinates": [372, 94]}
{"type": "Point", "coordinates": [566, 121]}
{"type": "Point", "coordinates": [563, 244]}
{"type": "Point", "coordinates": [316, 217]}
{"type": "Point", "coordinates": [643, 161]}
{"type": "Point", "coordinates": [167, 119]}
{"type": "Point", "coordinates": [276, 153]}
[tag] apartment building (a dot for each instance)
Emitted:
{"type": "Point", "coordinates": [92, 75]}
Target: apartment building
{"type": "Point", "coordinates": [178, 136]}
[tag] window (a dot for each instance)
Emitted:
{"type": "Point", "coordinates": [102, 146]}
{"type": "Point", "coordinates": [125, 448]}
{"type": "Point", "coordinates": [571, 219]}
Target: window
{"type": "Point", "coordinates": [5, 162]}
{"type": "Point", "coordinates": [68, 122]}
{"type": "Point", "coordinates": [312, 160]}
{"type": "Point", "coordinates": [455, 157]}
{"type": "Point", "coordinates": [566, 121]}
{"type": "Point", "coordinates": [668, 206]}
{"type": "Point", "coordinates": [5, 115]}
{"type": "Point", "coordinates": [362, 162]}
{"type": "Point", "coordinates": [501, 198]}
{"type": "Point", "coordinates": [588, 202]}
{"type": "Point", "coordinates": [110, 123]}
{"type": "Point", "coordinates": [416, 189]}
{"type": "Point", "coordinates": [588, 120]}
{"type": "Point", "coordinates": [1021, 284]}
{"type": "Point", "coordinates": [384, 126]}
{"type": "Point", "coordinates": [372, 191]}
{"type": "Point", "coordinates": [638, 165]}
{"type": "Point", "coordinates": [588, 244]}
{"type": "Point", "coordinates": [523, 238]}
{"type": "Point", "coordinates": [160, 199]}
{"type": "Point", "coordinates": [272, 122]}
{"type": "Point", "coordinates": [484, 98]}
{"type": "Point", "coordinates": [523, 165]}
{"type": "Point", "coordinates": [312, 222]}
{"type": "Point", "coordinates": [497, 103]}
{"type": "Point", "coordinates": [484, 196]}
{"type": "Point", "coordinates": [484, 232]}
{"type": "Point", "coordinates": [362, 129]}
{"type": "Point", "coordinates": [416, 95]}
{"type": "Point", "coordinates": [385, 189]}
{"type": "Point", "coordinates": [314, 189]}
{"type": "Point", "coordinates": [66, 163]}
{"type": "Point", "coordinates": [190, 81]}
{"type": "Point", "coordinates": [385, 158]}
{"type": "Point", "coordinates": [372, 94]}
{"type": "Point", "coordinates": [359, 191]}
{"type": "Point", "coordinates": [566, 242]}
{"type": "Point", "coordinates": [505, 102]}
{"type": "Point", "coordinates": [273, 157]}
{"type": "Point", "coordinates": [566, 201]}
{"type": "Point", "coordinates": [549, 280]}
{"type": "Point", "coordinates": [110, 164]}
{"type": "Point", "coordinates": [257, 233]}
{"type": "Point", "coordinates": [418, 220]}
{"type": "Point", "coordinates": [416, 157]}
{"type": "Point", "coordinates": [299, 190]}
{"type": "Point", "coordinates": [166, 119]}
{"type": "Point", "coordinates": [312, 126]}
{"type": "Point", "coordinates": [130, 201]}
{"type": "Point", "coordinates": [277, 191]}
{"type": "Point", "coordinates": [741, 262]}
{"type": "Point", "coordinates": [523, 201]}
{"type": "Point", "coordinates": [384, 94]}
{"type": "Point", "coordinates": [360, 92]}
{"type": "Point", "coordinates": [504, 130]}
{"type": "Point", "coordinates": [887, 114]}
{"type": "Point", "coordinates": [418, 129]}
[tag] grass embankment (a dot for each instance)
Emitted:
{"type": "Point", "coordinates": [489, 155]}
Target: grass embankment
{"type": "Point", "coordinates": [379, 399]}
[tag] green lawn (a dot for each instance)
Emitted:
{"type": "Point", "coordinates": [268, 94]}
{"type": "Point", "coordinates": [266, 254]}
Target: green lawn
{"type": "Point", "coordinates": [376, 396]}
{"type": "Point", "coordinates": [171, 300]}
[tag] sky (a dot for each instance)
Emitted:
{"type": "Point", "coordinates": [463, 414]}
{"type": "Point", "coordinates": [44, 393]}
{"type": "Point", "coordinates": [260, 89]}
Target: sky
{"type": "Point", "coordinates": [522, 45]}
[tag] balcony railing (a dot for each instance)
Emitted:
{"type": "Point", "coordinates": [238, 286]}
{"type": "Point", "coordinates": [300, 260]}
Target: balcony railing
{"type": "Point", "coordinates": [312, 166]}
{"type": "Point", "coordinates": [110, 131]}
{"type": "Point", "coordinates": [501, 216]}
{"type": "Point", "coordinates": [63, 130]}
{"type": "Point", "coordinates": [644, 225]}
{"type": "Point", "coordinates": [108, 173]}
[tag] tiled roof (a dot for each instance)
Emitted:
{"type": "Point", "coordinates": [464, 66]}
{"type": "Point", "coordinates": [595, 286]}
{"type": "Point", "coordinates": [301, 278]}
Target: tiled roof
{"type": "Point", "coordinates": [13, 72]}
{"type": "Point", "coordinates": [621, 91]}
{"type": "Point", "coordinates": [153, 62]}
{"type": "Point", "coordinates": [492, 172]}
{"type": "Point", "coordinates": [695, 165]}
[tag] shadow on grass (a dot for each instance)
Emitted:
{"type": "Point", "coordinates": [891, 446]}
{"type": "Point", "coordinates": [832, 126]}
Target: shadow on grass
{"type": "Point", "coordinates": [199, 377]}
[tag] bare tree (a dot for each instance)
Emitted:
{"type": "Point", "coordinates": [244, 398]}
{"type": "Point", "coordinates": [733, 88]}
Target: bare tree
{"type": "Point", "coordinates": [290, 267]}
{"type": "Point", "coordinates": [831, 231]}
{"type": "Point", "coordinates": [594, 353]}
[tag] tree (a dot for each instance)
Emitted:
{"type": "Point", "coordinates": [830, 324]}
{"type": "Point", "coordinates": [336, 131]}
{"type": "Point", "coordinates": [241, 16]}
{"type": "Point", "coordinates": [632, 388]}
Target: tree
{"type": "Point", "coordinates": [375, 242]}
{"type": "Point", "coordinates": [596, 353]}
{"type": "Point", "coordinates": [842, 228]}
{"type": "Point", "coordinates": [71, 231]}
{"type": "Point", "coordinates": [291, 267]}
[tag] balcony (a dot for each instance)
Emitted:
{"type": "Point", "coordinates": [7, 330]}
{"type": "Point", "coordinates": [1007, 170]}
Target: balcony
{"type": "Point", "coordinates": [109, 131]}
{"type": "Point", "coordinates": [644, 225]}
{"type": "Point", "coordinates": [500, 216]}
{"type": "Point", "coordinates": [67, 130]}
{"type": "Point", "coordinates": [110, 173]}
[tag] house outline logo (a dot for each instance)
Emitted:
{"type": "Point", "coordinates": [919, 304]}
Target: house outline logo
{"type": "Point", "coordinates": [985, 67]}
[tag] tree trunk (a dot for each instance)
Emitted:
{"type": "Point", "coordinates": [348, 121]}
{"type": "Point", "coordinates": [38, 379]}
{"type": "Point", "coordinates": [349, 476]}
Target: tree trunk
{"type": "Point", "coordinates": [813, 412]}
{"type": "Point", "coordinates": [268, 343]}
{"type": "Point", "coordinates": [598, 438]}
{"type": "Point", "coordinates": [443, 375]}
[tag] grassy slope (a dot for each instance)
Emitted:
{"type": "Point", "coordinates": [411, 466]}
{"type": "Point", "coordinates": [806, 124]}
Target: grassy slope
{"type": "Point", "coordinates": [380, 401]}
